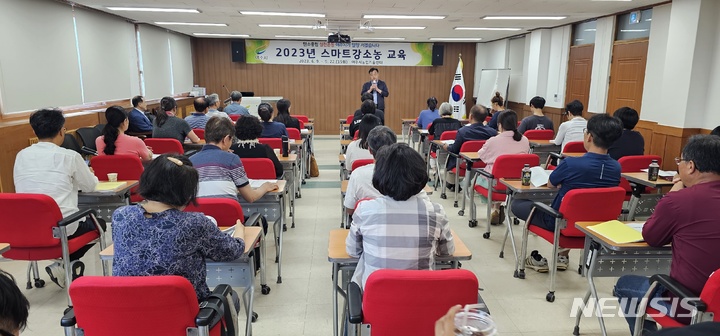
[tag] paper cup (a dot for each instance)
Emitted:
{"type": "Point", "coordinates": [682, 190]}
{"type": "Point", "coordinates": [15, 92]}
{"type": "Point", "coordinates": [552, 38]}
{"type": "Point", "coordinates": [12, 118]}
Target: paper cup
{"type": "Point", "coordinates": [112, 177]}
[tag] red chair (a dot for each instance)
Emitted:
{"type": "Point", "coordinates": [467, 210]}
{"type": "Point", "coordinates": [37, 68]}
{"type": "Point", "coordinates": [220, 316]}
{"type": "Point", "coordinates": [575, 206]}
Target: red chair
{"type": "Point", "coordinates": [200, 133]}
{"type": "Point", "coordinates": [430, 137]}
{"type": "Point", "coordinates": [467, 146]}
{"type": "Point", "coordinates": [574, 147]}
{"type": "Point", "coordinates": [447, 135]}
{"type": "Point", "coordinates": [635, 164]}
{"type": "Point", "coordinates": [128, 168]}
{"type": "Point", "coordinates": [301, 117]}
{"type": "Point", "coordinates": [143, 305]}
{"type": "Point", "coordinates": [356, 134]}
{"type": "Point", "coordinates": [488, 118]}
{"type": "Point", "coordinates": [164, 145]}
{"type": "Point", "coordinates": [274, 143]}
{"type": "Point", "coordinates": [578, 205]}
{"type": "Point", "coordinates": [361, 162]}
{"type": "Point", "coordinates": [349, 119]}
{"type": "Point", "coordinates": [397, 302]}
{"type": "Point", "coordinates": [707, 308]}
{"type": "Point", "coordinates": [35, 229]}
{"type": "Point", "coordinates": [539, 134]}
{"type": "Point", "coordinates": [506, 166]}
{"type": "Point", "coordinates": [235, 117]}
{"type": "Point", "coordinates": [225, 211]}
{"type": "Point", "coordinates": [293, 133]}
{"type": "Point", "coordinates": [301, 124]}
{"type": "Point", "coordinates": [259, 168]}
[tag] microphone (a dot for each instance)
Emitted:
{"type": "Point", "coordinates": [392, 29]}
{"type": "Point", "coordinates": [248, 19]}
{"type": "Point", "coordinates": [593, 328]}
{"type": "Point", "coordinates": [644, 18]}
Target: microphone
{"type": "Point", "coordinates": [226, 89]}
{"type": "Point", "coordinates": [226, 101]}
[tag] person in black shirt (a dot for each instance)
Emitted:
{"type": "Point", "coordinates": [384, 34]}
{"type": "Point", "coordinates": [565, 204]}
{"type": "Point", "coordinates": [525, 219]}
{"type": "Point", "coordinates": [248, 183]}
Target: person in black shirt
{"type": "Point", "coordinates": [283, 115]}
{"type": "Point", "coordinates": [445, 123]}
{"type": "Point", "coordinates": [367, 107]}
{"type": "Point", "coordinates": [631, 142]}
{"type": "Point", "coordinates": [716, 131]}
{"type": "Point", "coordinates": [248, 130]}
{"type": "Point", "coordinates": [378, 113]}
{"type": "Point", "coordinates": [473, 131]}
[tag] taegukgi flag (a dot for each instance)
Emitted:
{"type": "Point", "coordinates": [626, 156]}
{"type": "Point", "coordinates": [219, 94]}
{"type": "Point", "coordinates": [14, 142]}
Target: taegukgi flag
{"type": "Point", "coordinates": [457, 92]}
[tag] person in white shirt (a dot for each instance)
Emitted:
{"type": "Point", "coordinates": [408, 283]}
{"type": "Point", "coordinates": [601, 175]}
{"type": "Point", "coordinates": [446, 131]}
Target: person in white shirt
{"type": "Point", "coordinates": [360, 185]}
{"type": "Point", "coordinates": [573, 129]}
{"type": "Point", "coordinates": [213, 101]}
{"type": "Point", "coordinates": [46, 168]}
{"type": "Point", "coordinates": [357, 149]}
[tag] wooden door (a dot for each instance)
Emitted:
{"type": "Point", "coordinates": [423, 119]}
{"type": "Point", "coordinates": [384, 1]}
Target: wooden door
{"type": "Point", "coordinates": [627, 74]}
{"type": "Point", "coordinates": [579, 73]}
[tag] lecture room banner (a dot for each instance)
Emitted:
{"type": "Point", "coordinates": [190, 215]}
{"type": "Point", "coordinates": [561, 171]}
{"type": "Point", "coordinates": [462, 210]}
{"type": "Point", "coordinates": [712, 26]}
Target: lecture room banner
{"type": "Point", "coordinates": [324, 53]}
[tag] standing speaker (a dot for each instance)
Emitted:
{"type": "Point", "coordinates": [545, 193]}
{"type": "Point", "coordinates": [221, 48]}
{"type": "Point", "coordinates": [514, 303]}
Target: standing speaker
{"type": "Point", "coordinates": [238, 51]}
{"type": "Point", "coordinates": [438, 54]}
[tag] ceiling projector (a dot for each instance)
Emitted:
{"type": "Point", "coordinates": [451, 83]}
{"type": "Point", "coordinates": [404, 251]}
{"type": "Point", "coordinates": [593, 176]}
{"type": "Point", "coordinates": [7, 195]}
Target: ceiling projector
{"type": "Point", "coordinates": [338, 38]}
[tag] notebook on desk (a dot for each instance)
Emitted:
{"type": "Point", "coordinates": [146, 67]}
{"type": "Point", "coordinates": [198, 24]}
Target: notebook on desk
{"type": "Point", "coordinates": [257, 183]}
{"type": "Point", "coordinates": [109, 186]}
{"type": "Point", "coordinates": [619, 232]}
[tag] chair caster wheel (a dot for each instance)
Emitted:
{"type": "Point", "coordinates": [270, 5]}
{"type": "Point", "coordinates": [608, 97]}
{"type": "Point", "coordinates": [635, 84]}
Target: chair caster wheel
{"type": "Point", "coordinates": [279, 280]}
{"type": "Point", "coordinates": [502, 254]}
{"type": "Point", "coordinates": [39, 283]}
{"type": "Point", "coordinates": [516, 221]}
{"type": "Point", "coordinates": [265, 289]}
{"type": "Point", "coordinates": [303, 182]}
{"type": "Point", "coordinates": [486, 235]}
{"type": "Point", "coordinates": [519, 274]}
{"type": "Point", "coordinates": [455, 204]}
{"type": "Point", "coordinates": [443, 196]}
{"type": "Point", "coordinates": [291, 214]}
{"type": "Point", "coordinates": [461, 213]}
{"type": "Point", "coordinates": [254, 317]}
{"type": "Point", "coordinates": [550, 297]}
{"type": "Point", "coordinates": [284, 227]}
{"type": "Point", "coordinates": [293, 225]}
{"type": "Point", "coordinates": [472, 224]}
{"type": "Point", "coordinates": [576, 331]}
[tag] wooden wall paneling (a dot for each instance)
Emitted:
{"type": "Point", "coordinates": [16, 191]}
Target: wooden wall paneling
{"type": "Point", "coordinates": [327, 93]}
{"type": "Point", "coordinates": [645, 128]}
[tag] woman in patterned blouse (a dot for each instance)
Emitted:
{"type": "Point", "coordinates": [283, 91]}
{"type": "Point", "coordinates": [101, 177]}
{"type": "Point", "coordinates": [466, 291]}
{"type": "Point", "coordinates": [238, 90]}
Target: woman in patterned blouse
{"type": "Point", "coordinates": [156, 237]}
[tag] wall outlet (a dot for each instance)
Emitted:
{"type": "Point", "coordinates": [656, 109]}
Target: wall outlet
{"type": "Point", "coordinates": [556, 97]}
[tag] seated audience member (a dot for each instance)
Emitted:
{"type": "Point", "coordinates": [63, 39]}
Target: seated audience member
{"type": "Point", "coordinates": [15, 306]}
{"type": "Point", "coordinates": [283, 115]}
{"type": "Point", "coordinates": [139, 122]}
{"type": "Point", "coordinates": [357, 149]}
{"type": "Point", "coordinates": [686, 218]}
{"type": "Point", "coordinates": [475, 130]}
{"type": "Point", "coordinates": [359, 114]}
{"type": "Point", "coordinates": [446, 122]}
{"type": "Point", "coordinates": [595, 169]}
{"type": "Point", "coordinates": [46, 168]}
{"type": "Point", "coordinates": [155, 237]}
{"type": "Point", "coordinates": [571, 130]}
{"type": "Point", "coordinates": [508, 141]}
{"type": "Point", "coordinates": [716, 131]}
{"type": "Point", "coordinates": [271, 129]}
{"type": "Point", "coordinates": [167, 125]}
{"type": "Point", "coordinates": [235, 107]}
{"type": "Point", "coordinates": [247, 131]}
{"type": "Point", "coordinates": [537, 121]}
{"type": "Point", "coordinates": [403, 229]}
{"type": "Point", "coordinates": [631, 142]}
{"type": "Point", "coordinates": [199, 118]}
{"type": "Point", "coordinates": [360, 184]}
{"type": "Point", "coordinates": [222, 173]}
{"type": "Point", "coordinates": [115, 141]}
{"type": "Point", "coordinates": [428, 116]}
{"type": "Point", "coordinates": [367, 107]}
{"type": "Point", "coordinates": [213, 102]}
{"type": "Point", "coordinates": [495, 109]}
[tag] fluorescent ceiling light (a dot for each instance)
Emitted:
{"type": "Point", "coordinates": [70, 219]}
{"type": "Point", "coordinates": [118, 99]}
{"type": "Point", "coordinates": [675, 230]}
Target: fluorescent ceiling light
{"type": "Point", "coordinates": [487, 28]}
{"type": "Point", "coordinates": [301, 37]}
{"type": "Point", "coordinates": [455, 39]}
{"type": "Point", "coordinates": [264, 25]}
{"type": "Point", "coordinates": [524, 17]}
{"type": "Point", "coordinates": [149, 9]}
{"type": "Point", "coordinates": [191, 24]}
{"type": "Point", "coordinates": [394, 27]}
{"type": "Point", "coordinates": [283, 14]}
{"type": "Point", "coordinates": [416, 17]}
{"type": "Point", "coordinates": [633, 30]}
{"type": "Point", "coordinates": [379, 39]}
{"type": "Point", "coordinates": [590, 30]}
{"type": "Point", "coordinates": [220, 35]}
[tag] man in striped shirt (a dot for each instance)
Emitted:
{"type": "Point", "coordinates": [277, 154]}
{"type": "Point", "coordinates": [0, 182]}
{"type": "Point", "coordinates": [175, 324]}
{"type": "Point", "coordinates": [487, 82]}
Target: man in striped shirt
{"type": "Point", "coordinates": [402, 229]}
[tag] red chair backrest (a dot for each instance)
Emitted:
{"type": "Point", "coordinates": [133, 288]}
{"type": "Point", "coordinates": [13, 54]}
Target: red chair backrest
{"type": "Point", "coordinates": [472, 146]}
{"type": "Point", "coordinates": [301, 124]}
{"type": "Point", "coordinates": [575, 147]}
{"type": "Point", "coordinates": [148, 305]}
{"type": "Point", "coordinates": [356, 134]}
{"type": "Point", "coordinates": [27, 220]}
{"type": "Point", "coordinates": [488, 118]}
{"type": "Point", "coordinates": [539, 134]}
{"type": "Point", "coordinates": [590, 205]}
{"type": "Point", "coordinates": [259, 168]}
{"type": "Point", "coordinates": [448, 135]}
{"type": "Point", "coordinates": [128, 167]}
{"type": "Point", "coordinates": [431, 137]}
{"type": "Point", "coordinates": [711, 294]}
{"type": "Point", "coordinates": [226, 211]}
{"type": "Point", "coordinates": [274, 143]}
{"type": "Point", "coordinates": [510, 166]}
{"type": "Point", "coordinates": [635, 164]}
{"type": "Point", "coordinates": [396, 300]}
{"type": "Point", "coordinates": [199, 132]}
{"type": "Point", "coordinates": [301, 117]}
{"type": "Point", "coordinates": [293, 133]}
{"type": "Point", "coordinates": [164, 145]}
{"type": "Point", "coordinates": [235, 117]}
{"type": "Point", "coordinates": [349, 119]}
{"type": "Point", "coordinates": [362, 162]}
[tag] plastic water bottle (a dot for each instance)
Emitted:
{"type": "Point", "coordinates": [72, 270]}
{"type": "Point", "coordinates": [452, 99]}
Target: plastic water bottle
{"type": "Point", "coordinates": [653, 170]}
{"type": "Point", "coordinates": [285, 146]}
{"type": "Point", "coordinates": [526, 174]}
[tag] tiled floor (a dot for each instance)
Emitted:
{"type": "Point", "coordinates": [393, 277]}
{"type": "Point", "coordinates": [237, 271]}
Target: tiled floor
{"type": "Point", "coordinates": [301, 305]}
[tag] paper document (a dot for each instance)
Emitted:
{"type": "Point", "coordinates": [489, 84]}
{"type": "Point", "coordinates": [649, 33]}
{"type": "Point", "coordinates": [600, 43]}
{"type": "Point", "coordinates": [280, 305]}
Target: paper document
{"type": "Point", "coordinates": [448, 142]}
{"type": "Point", "coordinates": [292, 141]}
{"type": "Point", "coordinates": [539, 177]}
{"type": "Point", "coordinates": [662, 173]}
{"type": "Point", "coordinates": [109, 186]}
{"type": "Point", "coordinates": [258, 183]}
{"type": "Point", "coordinates": [637, 226]}
{"type": "Point", "coordinates": [618, 232]}
{"type": "Point", "coordinates": [304, 131]}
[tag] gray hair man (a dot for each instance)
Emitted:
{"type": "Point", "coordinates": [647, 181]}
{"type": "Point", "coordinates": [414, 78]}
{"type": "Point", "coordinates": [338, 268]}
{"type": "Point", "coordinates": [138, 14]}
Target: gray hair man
{"type": "Point", "coordinates": [360, 185]}
{"type": "Point", "coordinates": [235, 108]}
{"type": "Point", "coordinates": [213, 102]}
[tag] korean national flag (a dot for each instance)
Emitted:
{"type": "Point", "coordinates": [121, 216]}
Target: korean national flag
{"type": "Point", "coordinates": [457, 93]}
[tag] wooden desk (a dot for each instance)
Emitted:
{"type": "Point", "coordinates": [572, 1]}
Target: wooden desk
{"type": "Point", "coordinates": [292, 175]}
{"type": "Point", "coordinates": [188, 142]}
{"type": "Point", "coordinates": [344, 173]}
{"type": "Point", "coordinates": [309, 125]}
{"type": "Point", "coordinates": [644, 203]}
{"type": "Point", "coordinates": [4, 247]}
{"type": "Point", "coordinates": [106, 202]}
{"type": "Point", "coordinates": [608, 259]}
{"type": "Point", "coordinates": [344, 186]}
{"type": "Point", "coordinates": [341, 261]}
{"type": "Point", "coordinates": [573, 154]}
{"type": "Point", "coordinates": [469, 192]}
{"type": "Point", "coordinates": [311, 120]}
{"type": "Point", "coordinates": [343, 145]}
{"type": "Point", "coordinates": [406, 128]}
{"type": "Point", "coordinates": [441, 163]}
{"type": "Point", "coordinates": [641, 178]}
{"type": "Point", "coordinates": [537, 143]}
{"type": "Point", "coordinates": [344, 217]}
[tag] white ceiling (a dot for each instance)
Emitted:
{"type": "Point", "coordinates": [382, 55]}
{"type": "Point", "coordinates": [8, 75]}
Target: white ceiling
{"type": "Point", "coordinates": [465, 13]}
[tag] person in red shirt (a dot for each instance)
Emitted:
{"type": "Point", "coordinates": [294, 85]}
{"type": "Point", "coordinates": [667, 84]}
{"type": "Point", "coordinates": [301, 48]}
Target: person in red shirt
{"type": "Point", "coordinates": [687, 218]}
